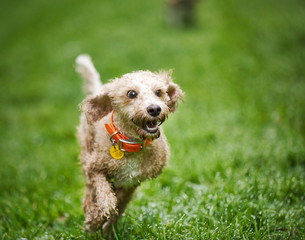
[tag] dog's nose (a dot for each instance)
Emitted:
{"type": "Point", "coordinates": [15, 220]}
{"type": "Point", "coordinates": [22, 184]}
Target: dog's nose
{"type": "Point", "coordinates": [154, 110]}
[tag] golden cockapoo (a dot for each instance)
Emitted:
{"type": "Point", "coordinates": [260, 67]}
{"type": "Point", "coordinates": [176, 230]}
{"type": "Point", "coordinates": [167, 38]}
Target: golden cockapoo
{"type": "Point", "coordinates": [122, 142]}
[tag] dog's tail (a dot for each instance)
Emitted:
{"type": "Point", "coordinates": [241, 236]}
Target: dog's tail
{"type": "Point", "coordinates": [86, 69]}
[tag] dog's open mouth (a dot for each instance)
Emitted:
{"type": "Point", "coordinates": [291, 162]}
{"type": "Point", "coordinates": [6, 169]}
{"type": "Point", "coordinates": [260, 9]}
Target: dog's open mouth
{"type": "Point", "coordinates": [150, 126]}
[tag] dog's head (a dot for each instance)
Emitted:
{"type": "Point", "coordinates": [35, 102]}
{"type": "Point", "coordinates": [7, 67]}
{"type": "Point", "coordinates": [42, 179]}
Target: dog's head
{"type": "Point", "coordinates": [141, 101]}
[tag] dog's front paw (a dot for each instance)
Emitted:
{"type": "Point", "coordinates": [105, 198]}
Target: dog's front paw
{"type": "Point", "coordinates": [91, 226]}
{"type": "Point", "coordinates": [95, 218]}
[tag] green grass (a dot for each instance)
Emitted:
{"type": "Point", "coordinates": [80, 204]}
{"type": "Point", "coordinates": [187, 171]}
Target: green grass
{"type": "Point", "coordinates": [237, 167]}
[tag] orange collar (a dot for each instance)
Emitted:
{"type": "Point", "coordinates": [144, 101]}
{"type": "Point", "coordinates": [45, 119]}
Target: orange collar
{"type": "Point", "coordinates": [123, 141]}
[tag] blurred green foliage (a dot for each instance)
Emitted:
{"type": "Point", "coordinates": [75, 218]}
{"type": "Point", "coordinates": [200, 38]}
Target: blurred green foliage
{"type": "Point", "coordinates": [237, 141]}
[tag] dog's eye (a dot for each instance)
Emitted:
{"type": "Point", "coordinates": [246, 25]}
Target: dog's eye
{"type": "Point", "coordinates": [132, 94]}
{"type": "Point", "coordinates": [158, 93]}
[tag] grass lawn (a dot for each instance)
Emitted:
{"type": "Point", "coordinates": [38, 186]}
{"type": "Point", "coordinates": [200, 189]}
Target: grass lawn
{"type": "Point", "coordinates": [237, 167]}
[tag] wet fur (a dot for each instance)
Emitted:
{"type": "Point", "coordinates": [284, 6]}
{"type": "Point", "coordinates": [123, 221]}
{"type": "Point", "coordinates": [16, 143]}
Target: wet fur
{"type": "Point", "coordinates": [110, 183]}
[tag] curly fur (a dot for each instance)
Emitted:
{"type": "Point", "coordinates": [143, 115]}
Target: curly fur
{"type": "Point", "coordinates": [110, 183]}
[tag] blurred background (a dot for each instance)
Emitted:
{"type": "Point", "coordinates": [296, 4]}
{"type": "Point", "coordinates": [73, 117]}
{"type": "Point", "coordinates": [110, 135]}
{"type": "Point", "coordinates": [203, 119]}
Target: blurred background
{"type": "Point", "coordinates": [237, 141]}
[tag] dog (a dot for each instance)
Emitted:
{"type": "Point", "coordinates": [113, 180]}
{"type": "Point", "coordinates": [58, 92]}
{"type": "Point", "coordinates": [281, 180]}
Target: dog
{"type": "Point", "coordinates": [121, 138]}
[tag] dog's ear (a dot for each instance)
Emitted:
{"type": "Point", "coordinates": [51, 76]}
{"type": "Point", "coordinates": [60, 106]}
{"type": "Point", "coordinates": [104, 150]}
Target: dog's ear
{"type": "Point", "coordinates": [175, 93]}
{"type": "Point", "coordinates": [173, 90]}
{"type": "Point", "coordinates": [97, 106]}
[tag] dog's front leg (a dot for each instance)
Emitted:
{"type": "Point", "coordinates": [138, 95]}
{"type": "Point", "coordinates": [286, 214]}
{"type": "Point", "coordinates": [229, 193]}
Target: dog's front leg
{"type": "Point", "coordinates": [124, 195]}
{"type": "Point", "coordinates": [100, 202]}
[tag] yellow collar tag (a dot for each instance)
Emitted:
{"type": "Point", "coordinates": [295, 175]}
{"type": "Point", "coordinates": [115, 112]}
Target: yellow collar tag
{"type": "Point", "coordinates": [115, 152]}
